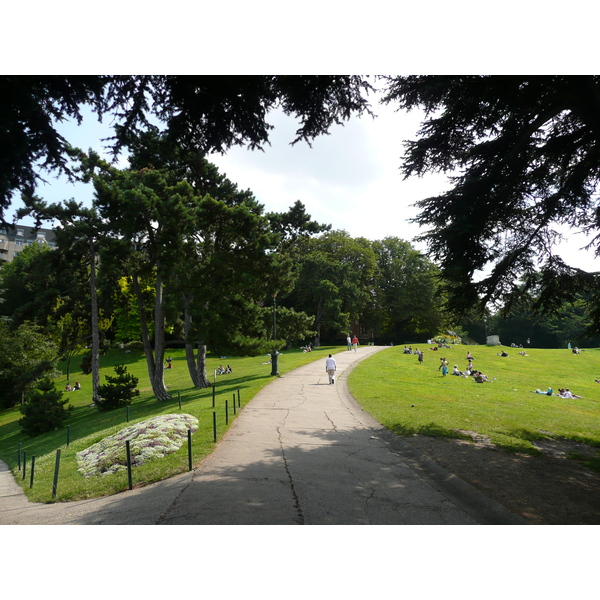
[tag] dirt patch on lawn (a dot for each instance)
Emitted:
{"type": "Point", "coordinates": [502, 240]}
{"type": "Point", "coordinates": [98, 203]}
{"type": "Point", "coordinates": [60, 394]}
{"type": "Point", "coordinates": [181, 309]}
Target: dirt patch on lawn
{"type": "Point", "coordinates": [547, 489]}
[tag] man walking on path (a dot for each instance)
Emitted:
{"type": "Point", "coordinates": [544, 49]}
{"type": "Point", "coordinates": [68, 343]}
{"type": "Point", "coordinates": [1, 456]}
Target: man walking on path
{"type": "Point", "coordinates": [355, 343]}
{"type": "Point", "coordinates": [349, 342]}
{"type": "Point", "coordinates": [330, 367]}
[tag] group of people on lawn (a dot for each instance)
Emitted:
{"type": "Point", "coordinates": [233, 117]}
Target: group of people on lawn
{"type": "Point", "coordinates": [470, 371]}
{"type": "Point", "coordinates": [480, 377]}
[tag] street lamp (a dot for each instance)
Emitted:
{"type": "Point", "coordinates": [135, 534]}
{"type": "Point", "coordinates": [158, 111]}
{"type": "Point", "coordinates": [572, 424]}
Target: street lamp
{"type": "Point", "coordinates": [275, 355]}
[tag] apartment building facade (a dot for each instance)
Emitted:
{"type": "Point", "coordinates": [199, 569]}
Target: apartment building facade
{"type": "Point", "coordinates": [14, 239]}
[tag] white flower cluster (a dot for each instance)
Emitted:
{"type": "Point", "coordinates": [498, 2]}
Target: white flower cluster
{"type": "Point", "coordinates": [150, 439]}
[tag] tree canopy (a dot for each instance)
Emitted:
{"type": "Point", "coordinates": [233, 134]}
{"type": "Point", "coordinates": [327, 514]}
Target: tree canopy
{"type": "Point", "coordinates": [204, 113]}
{"type": "Point", "coordinates": [523, 156]}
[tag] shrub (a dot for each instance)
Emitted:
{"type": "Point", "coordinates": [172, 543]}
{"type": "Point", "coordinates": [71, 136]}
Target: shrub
{"type": "Point", "coordinates": [150, 439]}
{"type": "Point", "coordinates": [44, 409]}
{"type": "Point", "coordinates": [119, 391]}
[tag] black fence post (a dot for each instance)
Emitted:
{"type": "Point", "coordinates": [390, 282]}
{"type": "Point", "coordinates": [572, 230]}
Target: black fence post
{"type": "Point", "coordinates": [129, 478]}
{"type": "Point", "coordinates": [234, 407]}
{"type": "Point", "coordinates": [190, 448]}
{"type": "Point", "coordinates": [32, 469]}
{"type": "Point", "coordinates": [24, 463]}
{"type": "Point", "coordinates": [215, 426]}
{"type": "Point", "coordinates": [56, 466]}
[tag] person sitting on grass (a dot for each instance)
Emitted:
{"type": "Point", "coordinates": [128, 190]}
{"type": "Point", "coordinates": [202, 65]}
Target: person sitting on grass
{"type": "Point", "coordinates": [481, 378]}
{"type": "Point", "coordinates": [502, 353]}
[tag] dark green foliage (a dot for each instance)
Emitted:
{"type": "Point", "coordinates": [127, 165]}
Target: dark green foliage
{"type": "Point", "coordinates": [29, 107]}
{"type": "Point", "coordinates": [120, 389]}
{"type": "Point", "coordinates": [205, 113]}
{"type": "Point", "coordinates": [406, 305]}
{"type": "Point", "coordinates": [336, 279]}
{"type": "Point", "coordinates": [26, 355]}
{"type": "Point", "coordinates": [44, 409]}
{"type": "Point", "coordinates": [524, 158]}
{"type": "Point", "coordinates": [86, 363]}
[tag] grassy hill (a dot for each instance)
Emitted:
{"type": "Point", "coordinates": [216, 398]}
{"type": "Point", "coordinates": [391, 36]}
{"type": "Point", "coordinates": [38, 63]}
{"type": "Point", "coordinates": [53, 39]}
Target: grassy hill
{"type": "Point", "coordinates": [87, 425]}
{"type": "Point", "coordinates": [390, 383]}
{"type": "Point", "coordinates": [387, 385]}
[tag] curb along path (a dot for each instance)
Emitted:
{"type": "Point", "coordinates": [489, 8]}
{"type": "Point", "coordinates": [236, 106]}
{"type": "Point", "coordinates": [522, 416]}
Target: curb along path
{"type": "Point", "coordinates": [301, 451]}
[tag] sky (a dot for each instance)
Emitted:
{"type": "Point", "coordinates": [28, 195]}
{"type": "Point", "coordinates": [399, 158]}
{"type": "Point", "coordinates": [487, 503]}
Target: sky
{"type": "Point", "coordinates": [350, 179]}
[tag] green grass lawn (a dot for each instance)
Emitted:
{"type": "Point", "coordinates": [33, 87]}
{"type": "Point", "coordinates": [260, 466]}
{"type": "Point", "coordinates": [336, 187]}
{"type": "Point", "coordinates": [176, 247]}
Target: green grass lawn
{"type": "Point", "coordinates": [390, 383]}
{"type": "Point", "coordinates": [87, 425]}
{"type": "Point", "coordinates": [387, 385]}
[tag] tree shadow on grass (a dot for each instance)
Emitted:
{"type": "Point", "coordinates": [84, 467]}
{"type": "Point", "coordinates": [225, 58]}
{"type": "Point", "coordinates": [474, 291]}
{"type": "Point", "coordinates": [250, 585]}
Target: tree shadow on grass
{"type": "Point", "coordinates": [429, 429]}
{"type": "Point", "coordinates": [329, 476]}
{"type": "Point", "coordinates": [517, 440]}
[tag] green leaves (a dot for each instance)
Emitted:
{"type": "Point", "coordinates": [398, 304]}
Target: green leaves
{"type": "Point", "coordinates": [44, 410]}
{"type": "Point", "coordinates": [524, 156]}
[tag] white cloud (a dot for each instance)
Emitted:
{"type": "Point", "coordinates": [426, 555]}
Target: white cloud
{"type": "Point", "coordinates": [350, 179]}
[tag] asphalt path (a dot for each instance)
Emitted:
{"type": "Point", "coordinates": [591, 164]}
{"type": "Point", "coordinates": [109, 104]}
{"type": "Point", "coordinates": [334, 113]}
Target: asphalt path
{"type": "Point", "coordinates": [301, 452]}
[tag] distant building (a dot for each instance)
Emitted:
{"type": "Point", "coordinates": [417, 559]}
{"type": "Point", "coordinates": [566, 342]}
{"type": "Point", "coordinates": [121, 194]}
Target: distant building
{"type": "Point", "coordinates": [14, 239]}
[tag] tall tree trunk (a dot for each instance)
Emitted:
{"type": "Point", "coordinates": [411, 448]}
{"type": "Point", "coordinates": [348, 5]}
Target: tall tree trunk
{"type": "Point", "coordinates": [201, 365]}
{"type": "Point", "coordinates": [137, 288]}
{"type": "Point", "coordinates": [95, 328]}
{"type": "Point", "coordinates": [154, 360]}
{"type": "Point", "coordinates": [158, 383]}
{"type": "Point", "coordinates": [197, 368]}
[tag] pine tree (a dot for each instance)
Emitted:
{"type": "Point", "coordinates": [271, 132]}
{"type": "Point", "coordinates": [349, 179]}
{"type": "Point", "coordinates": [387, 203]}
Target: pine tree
{"type": "Point", "coordinates": [120, 390]}
{"type": "Point", "coordinates": [44, 409]}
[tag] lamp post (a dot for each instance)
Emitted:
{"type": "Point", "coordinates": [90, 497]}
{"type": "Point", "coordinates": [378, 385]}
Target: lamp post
{"type": "Point", "coordinates": [275, 355]}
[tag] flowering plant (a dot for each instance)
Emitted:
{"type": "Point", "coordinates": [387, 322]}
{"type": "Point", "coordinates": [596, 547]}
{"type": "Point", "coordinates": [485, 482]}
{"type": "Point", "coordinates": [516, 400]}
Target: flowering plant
{"type": "Point", "coordinates": [150, 439]}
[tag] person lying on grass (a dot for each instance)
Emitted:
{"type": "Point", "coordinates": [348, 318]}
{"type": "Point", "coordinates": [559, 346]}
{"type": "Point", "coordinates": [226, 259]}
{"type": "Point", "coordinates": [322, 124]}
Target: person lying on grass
{"type": "Point", "coordinates": [566, 393]}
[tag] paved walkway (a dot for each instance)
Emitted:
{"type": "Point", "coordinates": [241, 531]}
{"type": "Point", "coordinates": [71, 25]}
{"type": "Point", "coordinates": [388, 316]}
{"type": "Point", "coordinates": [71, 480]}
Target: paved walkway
{"type": "Point", "coordinates": [301, 452]}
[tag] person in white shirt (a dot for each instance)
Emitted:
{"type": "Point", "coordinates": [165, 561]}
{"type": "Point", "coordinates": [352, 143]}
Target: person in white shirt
{"type": "Point", "coordinates": [330, 367]}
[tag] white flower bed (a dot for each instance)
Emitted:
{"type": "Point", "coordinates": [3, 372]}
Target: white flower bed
{"type": "Point", "coordinates": [150, 439]}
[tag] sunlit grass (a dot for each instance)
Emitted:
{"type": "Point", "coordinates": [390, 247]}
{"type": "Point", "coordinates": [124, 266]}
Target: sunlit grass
{"type": "Point", "coordinates": [87, 425]}
{"type": "Point", "coordinates": [389, 383]}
